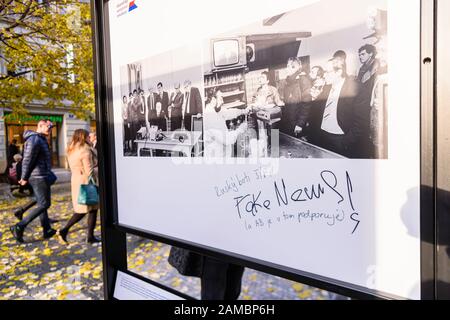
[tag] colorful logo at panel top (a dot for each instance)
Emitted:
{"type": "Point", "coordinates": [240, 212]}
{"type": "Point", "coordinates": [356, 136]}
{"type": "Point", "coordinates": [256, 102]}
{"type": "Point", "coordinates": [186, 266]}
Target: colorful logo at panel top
{"type": "Point", "coordinates": [125, 6]}
{"type": "Point", "coordinates": [132, 6]}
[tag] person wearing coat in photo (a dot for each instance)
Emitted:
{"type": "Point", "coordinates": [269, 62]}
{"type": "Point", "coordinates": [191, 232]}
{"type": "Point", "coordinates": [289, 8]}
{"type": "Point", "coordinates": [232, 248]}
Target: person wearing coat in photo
{"type": "Point", "coordinates": [340, 121]}
{"type": "Point", "coordinates": [192, 104]}
{"type": "Point", "coordinates": [297, 97]}
{"type": "Point", "coordinates": [82, 164]}
{"type": "Point", "coordinates": [176, 108]}
{"type": "Point", "coordinates": [162, 97]}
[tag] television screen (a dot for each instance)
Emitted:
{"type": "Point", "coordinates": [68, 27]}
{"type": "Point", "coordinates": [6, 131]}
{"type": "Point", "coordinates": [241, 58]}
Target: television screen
{"type": "Point", "coordinates": [226, 52]}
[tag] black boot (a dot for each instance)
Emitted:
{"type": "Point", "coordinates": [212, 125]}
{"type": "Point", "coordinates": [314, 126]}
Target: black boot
{"type": "Point", "coordinates": [63, 235]}
{"type": "Point", "coordinates": [92, 220]}
{"type": "Point", "coordinates": [76, 217]}
{"type": "Point", "coordinates": [18, 213]}
{"type": "Point", "coordinates": [49, 233]}
{"type": "Point", "coordinates": [17, 233]}
{"type": "Point", "coordinates": [93, 239]}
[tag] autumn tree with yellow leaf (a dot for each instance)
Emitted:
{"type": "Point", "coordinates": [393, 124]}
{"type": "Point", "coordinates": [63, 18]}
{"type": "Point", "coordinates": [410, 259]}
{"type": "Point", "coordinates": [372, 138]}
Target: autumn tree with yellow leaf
{"type": "Point", "coordinates": [46, 53]}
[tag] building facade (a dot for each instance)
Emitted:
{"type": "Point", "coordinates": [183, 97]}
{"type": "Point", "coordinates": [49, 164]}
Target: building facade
{"type": "Point", "coordinates": [13, 127]}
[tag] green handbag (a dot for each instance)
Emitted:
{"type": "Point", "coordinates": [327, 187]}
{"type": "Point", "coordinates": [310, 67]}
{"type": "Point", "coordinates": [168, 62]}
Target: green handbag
{"type": "Point", "coordinates": [88, 194]}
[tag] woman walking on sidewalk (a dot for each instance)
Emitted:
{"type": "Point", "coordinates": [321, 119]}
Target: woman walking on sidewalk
{"type": "Point", "coordinates": [81, 162]}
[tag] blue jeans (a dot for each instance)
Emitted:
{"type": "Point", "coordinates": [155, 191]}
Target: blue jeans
{"type": "Point", "coordinates": [42, 194]}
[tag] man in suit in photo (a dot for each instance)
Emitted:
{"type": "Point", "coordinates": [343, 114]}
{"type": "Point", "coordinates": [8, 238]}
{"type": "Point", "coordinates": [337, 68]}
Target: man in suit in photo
{"type": "Point", "coordinates": [150, 106]}
{"type": "Point", "coordinates": [176, 108]}
{"type": "Point", "coordinates": [142, 108]}
{"type": "Point", "coordinates": [162, 97]}
{"type": "Point", "coordinates": [151, 99]}
{"type": "Point", "coordinates": [369, 66]}
{"type": "Point", "coordinates": [297, 96]}
{"type": "Point", "coordinates": [192, 104]}
{"type": "Point", "coordinates": [157, 117]}
{"type": "Point", "coordinates": [340, 120]}
{"type": "Point", "coordinates": [134, 111]}
{"type": "Point", "coordinates": [367, 77]}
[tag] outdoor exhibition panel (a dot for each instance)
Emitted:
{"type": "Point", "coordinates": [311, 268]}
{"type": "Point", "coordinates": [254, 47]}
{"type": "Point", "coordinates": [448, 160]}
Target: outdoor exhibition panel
{"type": "Point", "coordinates": [227, 181]}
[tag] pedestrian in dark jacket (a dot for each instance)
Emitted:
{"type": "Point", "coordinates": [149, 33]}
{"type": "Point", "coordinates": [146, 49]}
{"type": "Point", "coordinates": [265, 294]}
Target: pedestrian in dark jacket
{"type": "Point", "coordinates": [36, 171]}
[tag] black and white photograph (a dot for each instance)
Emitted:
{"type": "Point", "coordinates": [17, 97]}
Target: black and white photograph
{"type": "Point", "coordinates": [162, 105]}
{"type": "Point", "coordinates": [307, 83]}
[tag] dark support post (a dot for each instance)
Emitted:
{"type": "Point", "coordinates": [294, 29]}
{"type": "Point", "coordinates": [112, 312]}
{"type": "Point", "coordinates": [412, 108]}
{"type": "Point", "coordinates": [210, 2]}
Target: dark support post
{"type": "Point", "coordinates": [114, 247]}
{"type": "Point", "coordinates": [443, 149]}
{"type": "Point", "coordinates": [427, 192]}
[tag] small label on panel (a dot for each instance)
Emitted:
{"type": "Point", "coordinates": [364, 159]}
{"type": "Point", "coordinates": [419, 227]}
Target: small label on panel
{"type": "Point", "coordinates": [131, 288]}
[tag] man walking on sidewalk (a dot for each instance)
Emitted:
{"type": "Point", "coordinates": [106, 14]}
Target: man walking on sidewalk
{"type": "Point", "coordinates": [36, 170]}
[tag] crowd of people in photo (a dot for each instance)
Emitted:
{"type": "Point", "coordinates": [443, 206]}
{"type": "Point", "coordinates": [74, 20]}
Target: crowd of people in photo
{"type": "Point", "coordinates": [332, 109]}
{"type": "Point", "coordinates": [141, 112]}
{"type": "Point", "coordinates": [323, 105]}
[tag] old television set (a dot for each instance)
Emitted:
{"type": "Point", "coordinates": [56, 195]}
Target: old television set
{"type": "Point", "coordinates": [228, 52]}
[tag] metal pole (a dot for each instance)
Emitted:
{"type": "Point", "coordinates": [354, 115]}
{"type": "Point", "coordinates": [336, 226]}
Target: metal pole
{"type": "Point", "coordinates": [427, 190]}
{"type": "Point", "coordinates": [114, 249]}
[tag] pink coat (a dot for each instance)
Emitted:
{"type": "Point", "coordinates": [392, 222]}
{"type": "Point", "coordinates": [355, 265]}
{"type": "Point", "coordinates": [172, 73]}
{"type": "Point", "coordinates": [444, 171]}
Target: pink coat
{"type": "Point", "coordinates": [81, 162]}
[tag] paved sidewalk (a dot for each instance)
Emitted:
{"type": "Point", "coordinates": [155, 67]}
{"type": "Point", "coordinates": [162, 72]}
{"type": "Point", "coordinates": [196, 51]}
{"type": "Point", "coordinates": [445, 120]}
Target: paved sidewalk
{"type": "Point", "coordinates": [41, 269]}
